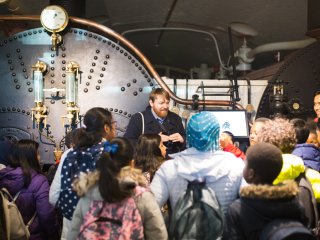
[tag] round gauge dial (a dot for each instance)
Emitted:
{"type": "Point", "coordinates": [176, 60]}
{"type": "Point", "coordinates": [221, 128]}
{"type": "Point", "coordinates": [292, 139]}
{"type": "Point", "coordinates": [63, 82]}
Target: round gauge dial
{"type": "Point", "coordinates": [54, 18]}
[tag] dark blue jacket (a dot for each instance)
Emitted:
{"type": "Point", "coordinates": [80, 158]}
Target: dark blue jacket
{"type": "Point", "coordinates": [34, 198]}
{"type": "Point", "coordinates": [172, 124]}
{"type": "Point", "coordinates": [310, 155]}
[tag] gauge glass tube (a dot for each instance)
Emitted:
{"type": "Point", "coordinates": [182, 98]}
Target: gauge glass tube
{"type": "Point", "coordinates": [70, 87]}
{"type": "Point", "coordinates": [38, 86]}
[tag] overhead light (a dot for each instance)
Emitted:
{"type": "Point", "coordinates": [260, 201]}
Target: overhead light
{"type": "Point", "coordinates": [243, 29]}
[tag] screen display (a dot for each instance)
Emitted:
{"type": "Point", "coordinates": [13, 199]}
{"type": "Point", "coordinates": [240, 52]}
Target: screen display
{"type": "Point", "coordinates": [233, 121]}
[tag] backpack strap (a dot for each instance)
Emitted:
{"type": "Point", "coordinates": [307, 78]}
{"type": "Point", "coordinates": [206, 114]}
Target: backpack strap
{"type": "Point", "coordinates": [14, 200]}
{"type": "Point", "coordinates": [4, 190]}
{"type": "Point", "coordinates": [16, 196]}
{"type": "Point", "coordinates": [142, 118]}
{"type": "Point", "coordinates": [304, 183]}
{"type": "Point", "coordinates": [31, 220]}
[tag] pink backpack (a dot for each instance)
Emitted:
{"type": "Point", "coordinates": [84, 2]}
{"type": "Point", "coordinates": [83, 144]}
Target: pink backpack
{"type": "Point", "coordinates": [113, 220]}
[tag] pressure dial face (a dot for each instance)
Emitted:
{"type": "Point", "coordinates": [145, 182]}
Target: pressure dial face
{"type": "Point", "coordinates": [54, 18]}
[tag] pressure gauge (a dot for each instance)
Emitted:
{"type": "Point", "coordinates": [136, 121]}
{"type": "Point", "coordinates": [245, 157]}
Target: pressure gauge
{"type": "Point", "coordinates": [54, 18]}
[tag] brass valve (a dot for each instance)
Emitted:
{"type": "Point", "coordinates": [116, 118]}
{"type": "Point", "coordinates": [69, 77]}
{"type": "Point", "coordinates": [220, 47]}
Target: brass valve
{"type": "Point", "coordinates": [38, 113]}
{"type": "Point", "coordinates": [73, 67]}
{"type": "Point", "coordinates": [72, 113]}
{"type": "Point", "coordinates": [40, 66]}
{"type": "Point", "coordinates": [55, 40]}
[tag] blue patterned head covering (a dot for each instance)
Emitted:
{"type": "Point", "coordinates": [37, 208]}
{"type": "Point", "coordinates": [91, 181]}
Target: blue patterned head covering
{"type": "Point", "coordinates": [110, 148]}
{"type": "Point", "coordinates": [203, 131]}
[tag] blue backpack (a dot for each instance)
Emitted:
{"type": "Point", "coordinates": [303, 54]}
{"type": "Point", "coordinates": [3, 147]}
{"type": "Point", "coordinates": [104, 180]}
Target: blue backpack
{"type": "Point", "coordinates": [197, 214]}
{"type": "Point", "coordinates": [286, 229]}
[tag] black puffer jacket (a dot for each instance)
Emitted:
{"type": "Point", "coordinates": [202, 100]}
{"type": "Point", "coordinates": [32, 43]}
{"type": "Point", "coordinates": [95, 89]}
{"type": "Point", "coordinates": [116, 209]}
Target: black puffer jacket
{"type": "Point", "coordinates": [260, 204]}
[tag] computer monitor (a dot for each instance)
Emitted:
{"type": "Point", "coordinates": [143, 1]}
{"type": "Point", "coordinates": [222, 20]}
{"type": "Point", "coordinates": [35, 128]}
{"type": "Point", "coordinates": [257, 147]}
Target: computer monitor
{"type": "Point", "coordinates": [234, 121]}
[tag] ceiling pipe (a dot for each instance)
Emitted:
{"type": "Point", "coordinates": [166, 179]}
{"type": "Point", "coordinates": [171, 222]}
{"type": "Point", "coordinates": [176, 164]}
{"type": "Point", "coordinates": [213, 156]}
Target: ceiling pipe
{"type": "Point", "coordinates": [246, 55]}
{"type": "Point", "coordinates": [180, 29]}
{"type": "Point", "coordinates": [291, 45]}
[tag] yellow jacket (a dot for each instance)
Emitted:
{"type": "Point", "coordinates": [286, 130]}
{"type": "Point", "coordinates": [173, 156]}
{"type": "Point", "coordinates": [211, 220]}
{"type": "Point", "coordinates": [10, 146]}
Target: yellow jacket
{"type": "Point", "coordinates": [292, 167]}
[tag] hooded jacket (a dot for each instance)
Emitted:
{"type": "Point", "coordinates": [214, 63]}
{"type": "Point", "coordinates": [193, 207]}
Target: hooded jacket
{"type": "Point", "coordinates": [260, 204]}
{"type": "Point", "coordinates": [153, 223]}
{"type": "Point", "coordinates": [221, 170]}
{"type": "Point", "coordinates": [292, 167]}
{"type": "Point", "coordinates": [310, 155]}
{"type": "Point", "coordinates": [34, 198]}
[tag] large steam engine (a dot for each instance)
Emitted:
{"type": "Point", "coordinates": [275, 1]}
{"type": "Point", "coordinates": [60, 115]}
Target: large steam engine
{"type": "Point", "coordinates": [49, 79]}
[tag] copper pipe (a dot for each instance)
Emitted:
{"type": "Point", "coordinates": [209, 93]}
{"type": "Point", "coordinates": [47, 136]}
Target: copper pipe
{"type": "Point", "coordinates": [104, 29]}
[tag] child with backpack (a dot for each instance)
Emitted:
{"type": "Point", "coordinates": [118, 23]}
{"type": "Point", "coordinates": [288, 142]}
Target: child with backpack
{"type": "Point", "coordinates": [115, 203]}
{"type": "Point", "coordinates": [88, 141]}
{"type": "Point", "coordinates": [202, 169]}
{"type": "Point", "coordinates": [261, 202]}
{"type": "Point", "coordinates": [24, 180]}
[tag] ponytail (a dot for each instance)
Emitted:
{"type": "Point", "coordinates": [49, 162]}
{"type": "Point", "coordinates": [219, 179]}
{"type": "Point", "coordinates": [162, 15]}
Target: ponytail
{"type": "Point", "coordinates": [84, 139]}
{"type": "Point", "coordinates": [95, 121]}
{"type": "Point", "coordinates": [117, 154]}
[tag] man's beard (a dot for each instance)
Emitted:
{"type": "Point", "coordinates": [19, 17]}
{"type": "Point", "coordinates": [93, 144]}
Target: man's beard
{"type": "Point", "coordinates": [162, 113]}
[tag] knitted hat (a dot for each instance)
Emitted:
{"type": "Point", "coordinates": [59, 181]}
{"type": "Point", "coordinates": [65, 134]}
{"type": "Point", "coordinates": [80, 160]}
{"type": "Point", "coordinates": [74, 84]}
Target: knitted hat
{"type": "Point", "coordinates": [203, 131]}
